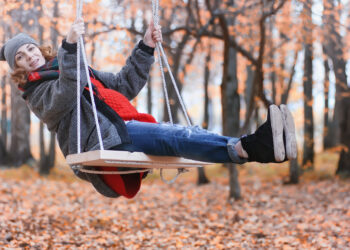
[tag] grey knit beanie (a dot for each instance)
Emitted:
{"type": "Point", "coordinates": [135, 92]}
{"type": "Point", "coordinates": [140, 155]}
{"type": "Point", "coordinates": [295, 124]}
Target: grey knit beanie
{"type": "Point", "coordinates": [8, 51]}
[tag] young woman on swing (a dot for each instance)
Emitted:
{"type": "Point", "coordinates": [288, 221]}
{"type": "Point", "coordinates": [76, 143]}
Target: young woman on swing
{"type": "Point", "coordinates": [49, 87]}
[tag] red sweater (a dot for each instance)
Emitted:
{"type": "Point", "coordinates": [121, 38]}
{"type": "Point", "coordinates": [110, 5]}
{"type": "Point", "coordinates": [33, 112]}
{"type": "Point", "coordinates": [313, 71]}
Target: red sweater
{"type": "Point", "coordinates": [126, 185]}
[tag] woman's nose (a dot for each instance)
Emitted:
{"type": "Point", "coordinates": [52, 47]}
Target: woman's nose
{"type": "Point", "coordinates": [29, 57]}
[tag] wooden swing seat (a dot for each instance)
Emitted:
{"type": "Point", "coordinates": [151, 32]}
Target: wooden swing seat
{"type": "Point", "coordinates": [112, 158]}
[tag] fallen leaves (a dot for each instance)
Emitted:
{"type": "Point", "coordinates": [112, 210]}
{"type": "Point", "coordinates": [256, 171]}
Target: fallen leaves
{"type": "Point", "coordinates": [41, 213]}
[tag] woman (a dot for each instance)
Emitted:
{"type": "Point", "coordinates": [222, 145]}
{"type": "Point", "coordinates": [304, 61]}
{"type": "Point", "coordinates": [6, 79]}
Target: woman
{"type": "Point", "coordinates": [49, 86]}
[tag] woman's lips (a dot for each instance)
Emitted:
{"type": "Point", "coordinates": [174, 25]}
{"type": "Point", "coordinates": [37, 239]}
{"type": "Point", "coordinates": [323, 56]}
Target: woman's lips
{"type": "Point", "coordinates": [34, 63]}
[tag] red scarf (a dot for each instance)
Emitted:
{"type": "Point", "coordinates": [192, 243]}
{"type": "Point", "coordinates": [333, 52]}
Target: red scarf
{"type": "Point", "coordinates": [126, 185]}
{"type": "Point", "coordinates": [120, 103]}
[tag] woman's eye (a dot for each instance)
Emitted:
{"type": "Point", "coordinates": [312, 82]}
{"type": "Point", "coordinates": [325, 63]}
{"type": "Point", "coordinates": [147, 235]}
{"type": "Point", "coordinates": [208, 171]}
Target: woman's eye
{"type": "Point", "coordinates": [31, 48]}
{"type": "Point", "coordinates": [18, 58]}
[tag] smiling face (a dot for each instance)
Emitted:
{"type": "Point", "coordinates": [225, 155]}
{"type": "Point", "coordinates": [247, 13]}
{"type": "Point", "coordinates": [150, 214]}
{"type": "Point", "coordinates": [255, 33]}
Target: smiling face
{"type": "Point", "coordinates": [29, 57]}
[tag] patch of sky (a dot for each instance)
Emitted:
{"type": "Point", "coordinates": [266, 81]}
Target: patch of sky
{"type": "Point", "coordinates": [139, 21]}
{"type": "Point", "coordinates": [318, 75]}
{"type": "Point", "coordinates": [317, 11]}
{"type": "Point", "coordinates": [297, 8]}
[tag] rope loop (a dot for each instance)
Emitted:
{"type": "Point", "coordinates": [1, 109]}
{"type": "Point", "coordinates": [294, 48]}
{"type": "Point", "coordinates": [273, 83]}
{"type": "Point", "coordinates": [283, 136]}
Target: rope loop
{"type": "Point", "coordinates": [179, 171]}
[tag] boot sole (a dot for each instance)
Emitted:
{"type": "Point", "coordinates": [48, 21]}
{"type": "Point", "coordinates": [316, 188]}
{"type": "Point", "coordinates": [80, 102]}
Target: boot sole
{"type": "Point", "coordinates": [277, 132]}
{"type": "Point", "coordinates": [289, 130]}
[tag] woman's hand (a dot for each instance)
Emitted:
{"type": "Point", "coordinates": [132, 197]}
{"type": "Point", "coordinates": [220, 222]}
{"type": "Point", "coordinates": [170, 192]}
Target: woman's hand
{"type": "Point", "coordinates": [75, 31]}
{"type": "Point", "coordinates": [152, 35]}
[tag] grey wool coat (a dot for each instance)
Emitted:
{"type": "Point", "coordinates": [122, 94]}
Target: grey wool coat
{"type": "Point", "coordinates": [54, 103]}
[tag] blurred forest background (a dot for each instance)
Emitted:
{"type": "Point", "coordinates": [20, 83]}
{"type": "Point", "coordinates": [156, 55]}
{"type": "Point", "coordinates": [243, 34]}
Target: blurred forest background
{"type": "Point", "coordinates": [231, 59]}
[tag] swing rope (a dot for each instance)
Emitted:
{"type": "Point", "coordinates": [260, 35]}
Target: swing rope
{"type": "Point", "coordinates": [160, 52]}
{"type": "Point", "coordinates": [78, 85]}
{"type": "Point", "coordinates": [165, 90]}
{"type": "Point", "coordinates": [81, 49]}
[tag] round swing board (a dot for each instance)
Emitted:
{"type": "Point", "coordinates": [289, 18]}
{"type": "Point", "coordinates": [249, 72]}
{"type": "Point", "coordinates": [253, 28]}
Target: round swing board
{"type": "Point", "coordinates": [112, 158]}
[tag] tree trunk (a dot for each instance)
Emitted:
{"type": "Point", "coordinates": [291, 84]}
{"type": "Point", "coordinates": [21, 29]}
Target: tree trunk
{"type": "Point", "coordinates": [52, 149]}
{"type": "Point", "coordinates": [294, 171]}
{"type": "Point", "coordinates": [175, 68]}
{"type": "Point", "coordinates": [54, 28]}
{"type": "Point", "coordinates": [271, 62]}
{"type": "Point", "coordinates": [293, 164]}
{"type": "Point", "coordinates": [20, 114]}
{"type": "Point", "coordinates": [235, 189]}
{"type": "Point", "coordinates": [326, 123]}
{"type": "Point", "coordinates": [334, 49]}
{"type": "Point", "coordinates": [285, 95]}
{"type": "Point", "coordinates": [230, 109]}
{"type": "Point", "coordinates": [54, 38]}
{"type": "Point", "coordinates": [3, 153]}
{"type": "Point", "coordinates": [173, 101]}
{"type": "Point", "coordinates": [3, 134]}
{"type": "Point", "coordinates": [230, 99]}
{"type": "Point", "coordinates": [330, 126]}
{"type": "Point", "coordinates": [205, 123]}
{"type": "Point", "coordinates": [248, 92]}
{"type": "Point", "coordinates": [43, 170]}
{"type": "Point", "coordinates": [20, 129]}
{"type": "Point", "coordinates": [344, 160]}
{"type": "Point", "coordinates": [4, 156]}
{"type": "Point", "coordinates": [43, 162]}
{"type": "Point", "coordinates": [3, 123]}
{"type": "Point", "coordinates": [47, 160]}
{"type": "Point", "coordinates": [308, 156]}
{"type": "Point", "coordinates": [93, 47]}
{"type": "Point", "coordinates": [202, 178]}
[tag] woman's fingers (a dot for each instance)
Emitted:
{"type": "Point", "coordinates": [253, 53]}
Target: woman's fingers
{"type": "Point", "coordinates": [77, 29]}
{"type": "Point", "coordinates": [153, 35]}
{"type": "Point", "coordinates": [157, 39]}
{"type": "Point", "coordinates": [79, 20]}
{"type": "Point", "coordinates": [79, 25]}
{"type": "Point", "coordinates": [157, 34]}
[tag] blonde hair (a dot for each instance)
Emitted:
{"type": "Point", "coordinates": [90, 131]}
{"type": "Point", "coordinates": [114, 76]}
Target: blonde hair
{"type": "Point", "coordinates": [19, 75]}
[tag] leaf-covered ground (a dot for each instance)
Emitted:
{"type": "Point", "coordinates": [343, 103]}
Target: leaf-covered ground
{"type": "Point", "coordinates": [41, 213]}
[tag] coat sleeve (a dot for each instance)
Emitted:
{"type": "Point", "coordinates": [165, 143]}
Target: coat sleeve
{"type": "Point", "coordinates": [132, 77]}
{"type": "Point", "coordinates": [52, 100]}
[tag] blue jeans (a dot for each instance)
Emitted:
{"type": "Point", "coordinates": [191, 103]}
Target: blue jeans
{"type": "Point", "coordinates": [175, 140]}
